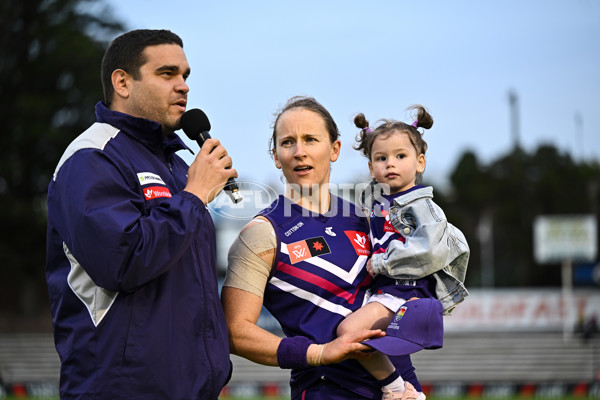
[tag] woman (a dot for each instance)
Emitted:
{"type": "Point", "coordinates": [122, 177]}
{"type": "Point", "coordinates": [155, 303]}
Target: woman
{"type": "Point", "coordinates": [303, 258]}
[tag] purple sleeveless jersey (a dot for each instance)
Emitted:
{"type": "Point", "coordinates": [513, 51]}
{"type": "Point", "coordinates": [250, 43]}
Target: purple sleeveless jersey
{"type": "Point", "coordinates": [318, 279]}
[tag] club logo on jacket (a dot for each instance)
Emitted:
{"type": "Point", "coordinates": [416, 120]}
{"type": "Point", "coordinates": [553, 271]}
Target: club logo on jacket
{"type": "Point", "coordinates": [308, 248]}
{"type": "Point", "coordinates": [360, 242]}
{"type": "Point", "coordinates": [154, 192]}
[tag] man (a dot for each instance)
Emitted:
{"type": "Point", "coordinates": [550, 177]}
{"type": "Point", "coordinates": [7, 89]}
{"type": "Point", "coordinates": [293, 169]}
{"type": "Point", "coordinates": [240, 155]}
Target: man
{"type": "Point", "coordinates": [131, 265]}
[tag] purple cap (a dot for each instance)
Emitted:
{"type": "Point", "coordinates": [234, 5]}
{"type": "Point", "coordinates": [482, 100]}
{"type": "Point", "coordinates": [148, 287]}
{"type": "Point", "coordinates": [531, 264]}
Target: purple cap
{"type": "Point", "coordinates": [417, 325]}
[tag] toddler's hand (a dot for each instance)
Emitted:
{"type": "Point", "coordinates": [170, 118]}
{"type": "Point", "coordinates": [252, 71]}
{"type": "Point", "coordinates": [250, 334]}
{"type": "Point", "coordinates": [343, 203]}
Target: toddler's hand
{"type": "Point", "coordinates": [370, 268]}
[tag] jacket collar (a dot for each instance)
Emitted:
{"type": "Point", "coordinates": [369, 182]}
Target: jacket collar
{"type": "Point", "coordinates": [415, 193]}
{"type": "Point", "coordinates": [148, 132]}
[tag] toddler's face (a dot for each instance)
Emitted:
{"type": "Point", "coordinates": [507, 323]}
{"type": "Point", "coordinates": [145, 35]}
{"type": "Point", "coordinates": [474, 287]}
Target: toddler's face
{"type": "Point", "coordinates": [394, 161]}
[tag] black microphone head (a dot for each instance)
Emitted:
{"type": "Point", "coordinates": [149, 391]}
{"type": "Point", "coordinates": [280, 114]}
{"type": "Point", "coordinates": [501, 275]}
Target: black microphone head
{"type": "Point", "coordinates": [193, 122]}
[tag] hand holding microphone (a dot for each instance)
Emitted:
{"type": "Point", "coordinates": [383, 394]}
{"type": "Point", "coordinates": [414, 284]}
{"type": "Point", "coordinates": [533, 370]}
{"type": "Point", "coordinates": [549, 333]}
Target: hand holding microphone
{"type": "Point", "coordinates": [195, 125]}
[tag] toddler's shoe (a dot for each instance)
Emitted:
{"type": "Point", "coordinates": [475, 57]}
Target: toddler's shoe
{"type": "Point", "coordinates": [410, 393]}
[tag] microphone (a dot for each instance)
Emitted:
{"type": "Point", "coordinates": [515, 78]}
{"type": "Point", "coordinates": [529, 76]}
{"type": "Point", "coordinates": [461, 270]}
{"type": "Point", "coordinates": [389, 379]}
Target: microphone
{"type": "Point", "coordinates": [195, 125]}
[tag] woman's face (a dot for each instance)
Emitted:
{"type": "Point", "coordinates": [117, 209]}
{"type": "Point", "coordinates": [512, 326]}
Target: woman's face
{"type": "Point", "coordinates": [303, 149]}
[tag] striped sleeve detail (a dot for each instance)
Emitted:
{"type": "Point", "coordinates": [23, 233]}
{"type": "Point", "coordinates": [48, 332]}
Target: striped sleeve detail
{"type": "Point", "coordinates": [95, 137]}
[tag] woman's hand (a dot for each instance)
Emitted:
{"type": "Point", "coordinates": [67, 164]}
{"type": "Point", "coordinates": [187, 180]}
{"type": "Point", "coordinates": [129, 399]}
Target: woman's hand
{"type": "Point", "coordinates": [348, 346]}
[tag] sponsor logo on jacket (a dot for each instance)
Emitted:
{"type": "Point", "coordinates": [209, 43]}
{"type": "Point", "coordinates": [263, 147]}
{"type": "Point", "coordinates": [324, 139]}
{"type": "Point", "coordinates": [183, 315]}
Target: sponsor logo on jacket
{"type": "Point", "coordinates": [154, 192]}
{"type": "Point", "coordinates": [149, 178]}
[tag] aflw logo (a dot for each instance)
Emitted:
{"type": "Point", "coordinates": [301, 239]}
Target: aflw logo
{"type": "Point", "coordinates": [154, 192]}
{"type": "Point", "coordinates": [308, 248]}
{"type": "Point", "coordinates": [300, 253]}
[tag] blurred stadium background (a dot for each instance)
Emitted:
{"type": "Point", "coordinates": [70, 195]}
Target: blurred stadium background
{"type": "Point", "coordinates": [502, 343]}
{"type": "Point", "coordinates": [529, 328]}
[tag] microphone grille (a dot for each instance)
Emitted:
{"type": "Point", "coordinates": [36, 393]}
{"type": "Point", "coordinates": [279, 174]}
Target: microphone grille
{"type": "Point", "coordinates": [193, 122]}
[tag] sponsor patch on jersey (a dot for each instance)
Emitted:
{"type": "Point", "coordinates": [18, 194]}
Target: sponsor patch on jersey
{"type": "Point", "coordinates": [360, 242]}
{"type": "Point", "coordinates": [148, 178]}
{"type": "Point", "coordinates": [154, 192]}
{"type": "Point", "coordinates": [387, 226]}
{"type": "Point", "coordinates": [294, 228]}
{"type": "Point", "coordinates": [308, 248]}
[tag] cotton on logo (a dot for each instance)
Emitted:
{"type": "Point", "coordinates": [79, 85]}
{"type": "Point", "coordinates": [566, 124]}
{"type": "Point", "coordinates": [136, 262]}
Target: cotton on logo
{"type": "Point", "coordinates": [359, 241]}
{"type": "Point", "coordinates": [156, 192]}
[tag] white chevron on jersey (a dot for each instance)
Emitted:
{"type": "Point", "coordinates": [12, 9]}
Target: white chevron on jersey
{"type": "Point", "coordinates": [313, 298]}
{"type": "Point", "coordinates": [375, 241]}
{"type": "Point", "coordinates": [347, 276]}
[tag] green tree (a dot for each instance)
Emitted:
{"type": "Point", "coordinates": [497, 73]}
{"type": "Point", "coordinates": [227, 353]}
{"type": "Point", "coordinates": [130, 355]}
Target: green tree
{"type": "Point", "coordinates": [50, 55]}
{"type": "Point", "coordinates": [512, 191]}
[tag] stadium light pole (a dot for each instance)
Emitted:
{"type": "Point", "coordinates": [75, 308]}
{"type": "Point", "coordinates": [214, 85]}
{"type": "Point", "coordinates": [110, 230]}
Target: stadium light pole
{"type": "Point", "coordinates": [513, 101]}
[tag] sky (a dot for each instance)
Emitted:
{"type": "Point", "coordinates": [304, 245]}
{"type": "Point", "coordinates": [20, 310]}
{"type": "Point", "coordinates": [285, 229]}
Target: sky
{"type": "Point", "coordinates": [460, 59]}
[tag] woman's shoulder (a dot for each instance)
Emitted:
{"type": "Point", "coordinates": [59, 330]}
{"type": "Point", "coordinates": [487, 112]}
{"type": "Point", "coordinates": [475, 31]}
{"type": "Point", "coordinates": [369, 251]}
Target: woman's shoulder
{"type": "Point", "coordinates": [258, 229]}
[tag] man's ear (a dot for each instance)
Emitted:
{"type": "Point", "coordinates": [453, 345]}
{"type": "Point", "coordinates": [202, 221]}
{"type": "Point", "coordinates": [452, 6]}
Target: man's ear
{"type": "Point", "coordinates": [120, 81]}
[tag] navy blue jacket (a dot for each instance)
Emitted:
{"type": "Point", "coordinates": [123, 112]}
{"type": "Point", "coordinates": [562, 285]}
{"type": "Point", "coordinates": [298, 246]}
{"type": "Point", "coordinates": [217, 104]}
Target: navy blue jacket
{"type": "Point", "coordinates": [131, 269]}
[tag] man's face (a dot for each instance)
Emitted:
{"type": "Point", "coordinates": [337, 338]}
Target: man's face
{"type": "Point", "coordinates": [160, 94]}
